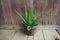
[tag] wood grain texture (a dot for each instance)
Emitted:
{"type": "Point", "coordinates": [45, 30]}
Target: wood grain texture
{"type": "Point", "coordinates": [6, 34]}
{"type": "Point", "coordinates": [38, 35]}
{"type": "Point", "coordinates": [1, 15]}
{"type": "Point", "coordinates": [30, 38]}
{"type": "Point", "coordinates": [19, 36]}
{"type": "Point", "coordinates": [50, 34]}
{"type": "Point", "coordinates": [5, 8]}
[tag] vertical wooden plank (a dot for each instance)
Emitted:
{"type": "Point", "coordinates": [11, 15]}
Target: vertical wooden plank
{"type": "Point", "coordinates": [5, 8]}
{"type": "Point", "coordinates": [46, 9]}
{"type": "Point", "coordinates": [10, 12]}
{"type": "Point", "coordinates": [54, 12]}
{"type": "Point", "coordinates": [38, 35]}
{"type": "Point", "coordinates": [19, 4]}
{"type": "Point", "coordinates": [1, 15]}
{"type": "Point", "coordinates": [50, 34]}
{"type": "Point", "coordinates": [13, 9]}
{"type": "Point", "coordinates": [37, 4]}
{"type": "Point", "coordinates": [58, 13]}
{"type": "Point", "coordinates": [31, 4]}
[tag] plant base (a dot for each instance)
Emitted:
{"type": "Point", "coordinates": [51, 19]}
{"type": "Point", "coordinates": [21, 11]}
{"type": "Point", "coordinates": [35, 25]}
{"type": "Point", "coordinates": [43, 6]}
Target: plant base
{"type": "Point", "coordinates": [29, 33]}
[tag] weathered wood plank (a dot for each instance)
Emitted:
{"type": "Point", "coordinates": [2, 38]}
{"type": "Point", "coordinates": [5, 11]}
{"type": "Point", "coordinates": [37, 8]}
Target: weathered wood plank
{"type": "Point", "coordinates": [54, 12]}
{"type": "Point", "coordinates": [1, 15]}
{"type": "Point", "coordinates": [30, 38]}
{"type": "Point", "coordinates": [19, 36]}
{"type": "Point", "coordinates": [46, 9]}
{"type": "Point", "coordinates": [50, 34]}
{"type": "Point", "coordinates": [5, 8]}
{"type": "Point", "coordinates": [58, 12]}
{"type": "Point", "coordinates": [6, 34]}
{"type": "Point", "coordinates": [11, 13]}
{"type": "Point", "coordinates": [13, 8]}
{"type": "Point", "coordinates": [38, 35]}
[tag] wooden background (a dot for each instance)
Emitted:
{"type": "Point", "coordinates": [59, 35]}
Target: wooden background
{"type": "Point", "coordinates": [49, 8]}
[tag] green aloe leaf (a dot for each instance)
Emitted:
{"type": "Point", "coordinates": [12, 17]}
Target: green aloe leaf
{"type": "Point", "coordinates": [30, 21]}
{"type": "Point", "coordinates": [28, 28]}
{"type": "Point", "coordinates": [21, 17]}
{"type": "Point", "coordinates": [26, 12]}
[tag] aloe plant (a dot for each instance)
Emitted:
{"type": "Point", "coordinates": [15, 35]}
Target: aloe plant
{"type": "Point", "coordinates": [30, 19]}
